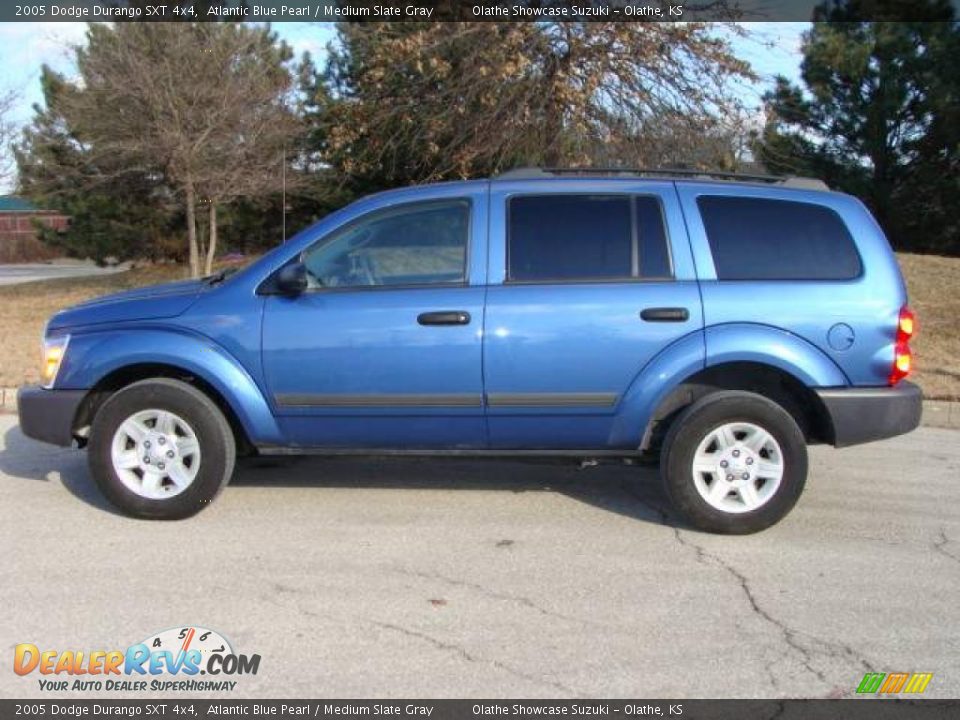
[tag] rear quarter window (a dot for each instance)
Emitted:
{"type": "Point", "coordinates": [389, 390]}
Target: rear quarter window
{"type": "Point", "coordinates": [764, 239]}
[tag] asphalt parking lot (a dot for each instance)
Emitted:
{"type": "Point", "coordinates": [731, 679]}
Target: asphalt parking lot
{"type": "Point", "coordinates": [427, 579]}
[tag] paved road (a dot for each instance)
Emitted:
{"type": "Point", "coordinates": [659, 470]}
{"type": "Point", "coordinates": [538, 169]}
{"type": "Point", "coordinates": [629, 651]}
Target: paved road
{"type": "Point", "coordinates": [415, 578]}
{"type": "Point", "coordinates": [15, 274]}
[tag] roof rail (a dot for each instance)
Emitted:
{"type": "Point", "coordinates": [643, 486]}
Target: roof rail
{"type": "Point", "coordinates": [529, 173]}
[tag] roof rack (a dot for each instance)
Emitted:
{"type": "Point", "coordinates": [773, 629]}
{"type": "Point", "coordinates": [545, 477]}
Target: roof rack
{"type": "Point", "coordinates": [530, 173]}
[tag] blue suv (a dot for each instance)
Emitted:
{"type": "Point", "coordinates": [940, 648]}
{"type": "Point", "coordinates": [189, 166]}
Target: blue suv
{"type": "Point", "coordinates": [718, 324]}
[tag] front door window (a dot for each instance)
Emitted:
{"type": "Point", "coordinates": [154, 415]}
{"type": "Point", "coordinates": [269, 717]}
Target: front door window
{"type": "Point", "coordinates": [418, 244]}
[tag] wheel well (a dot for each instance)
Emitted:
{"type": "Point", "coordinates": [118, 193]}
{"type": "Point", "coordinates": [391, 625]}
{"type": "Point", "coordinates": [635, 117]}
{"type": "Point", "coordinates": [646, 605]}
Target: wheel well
{"type": "Point", "coordinates": [774, 384]}
{"type": "Point", "coordinates": [119, 379]}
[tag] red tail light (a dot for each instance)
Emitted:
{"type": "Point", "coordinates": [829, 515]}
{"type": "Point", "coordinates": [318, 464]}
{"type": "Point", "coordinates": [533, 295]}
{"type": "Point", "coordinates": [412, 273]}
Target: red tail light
{"type": "Point", "coordinates": [906, 325]}
{"type": "Point", "coordinates": [902, 356]}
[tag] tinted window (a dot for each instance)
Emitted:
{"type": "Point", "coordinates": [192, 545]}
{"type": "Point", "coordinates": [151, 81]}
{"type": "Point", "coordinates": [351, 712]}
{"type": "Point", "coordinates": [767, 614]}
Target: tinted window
{"type": "Point", "coordinates": [586, 237]}
{"type": "Point", "coordinates": [758, 239]}
{"type": "Point", "coordinates": [422, 243]}
{"type": "Point", "coordinates": [652, 238]}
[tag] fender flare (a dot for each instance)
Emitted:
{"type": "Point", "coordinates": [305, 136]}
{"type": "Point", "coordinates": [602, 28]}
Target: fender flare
{"type": "Point", "coordinates": [95, 355]}
{"type": "Point", "coordinates": [717, 345]}
{"type": "Point", "coordinates": [766, 345]}
{"type": "Point", "coordinates": [676, 362]}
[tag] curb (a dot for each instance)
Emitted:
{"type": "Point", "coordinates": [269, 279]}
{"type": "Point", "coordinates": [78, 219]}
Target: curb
{"type": "Point", "coordinates": [941, 414]}
{"type": "Point", "coordinates": [8, 400]}
{"type": "Point", "coordinates": [936, 413]}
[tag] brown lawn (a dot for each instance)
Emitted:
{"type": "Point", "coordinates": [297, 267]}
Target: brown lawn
{"type": "Point", "coordinates": [934, 284]}
{"type": "Point", "coordinates": [27, 307]}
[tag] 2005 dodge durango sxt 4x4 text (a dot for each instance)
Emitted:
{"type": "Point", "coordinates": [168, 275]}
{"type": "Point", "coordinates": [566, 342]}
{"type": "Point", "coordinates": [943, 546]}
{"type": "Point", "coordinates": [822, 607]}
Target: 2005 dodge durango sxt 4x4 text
{"type": "Point", "coordinates": [721, 325]}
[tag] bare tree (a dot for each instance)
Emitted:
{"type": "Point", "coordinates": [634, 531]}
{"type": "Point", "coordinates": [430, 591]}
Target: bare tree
{"type": "Point", "coordinates": [248, 158]}
{"type": "Point", "coordinates": [698, 143]}
{"type": "Point", "coordinates": [415, 102]}
{"type": "Point", "coordinates": [7, 134]}
{"type": "Point", "coordinates": [205, 104]}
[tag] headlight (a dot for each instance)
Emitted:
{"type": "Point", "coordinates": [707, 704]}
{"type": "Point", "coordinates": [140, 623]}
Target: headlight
{"type": "Point", "coordinates": [53, 351]}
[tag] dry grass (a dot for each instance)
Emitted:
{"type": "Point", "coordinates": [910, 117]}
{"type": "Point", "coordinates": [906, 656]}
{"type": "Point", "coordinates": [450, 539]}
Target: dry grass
{"type": "Point", "coordinates": [934, 287]}
{"type": "Point", "coordinates": [27, 307]}
{"type": "Point", "coordinates": [934, 284]}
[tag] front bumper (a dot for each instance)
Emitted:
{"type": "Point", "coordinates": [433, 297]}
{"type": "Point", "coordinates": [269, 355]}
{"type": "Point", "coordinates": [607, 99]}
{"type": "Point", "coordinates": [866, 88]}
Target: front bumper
{"type": "Point", "coordinates": [862, 415]}
{"type": "Point", "coordinates": [48, 415]}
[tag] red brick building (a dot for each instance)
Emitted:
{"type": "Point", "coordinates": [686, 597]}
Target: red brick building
{"type": "Point", "coordinates": [19, 236]}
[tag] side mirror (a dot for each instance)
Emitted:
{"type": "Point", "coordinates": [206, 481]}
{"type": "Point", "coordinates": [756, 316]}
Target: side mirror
{"type": "Point", "coordinates": [292, 279]}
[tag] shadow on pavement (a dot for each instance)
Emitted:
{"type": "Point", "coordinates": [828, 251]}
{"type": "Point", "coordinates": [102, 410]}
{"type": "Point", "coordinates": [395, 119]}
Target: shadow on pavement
{"type": "Point", "coordinates": [630, 490]}
{"type": "Point", "coordinates": [24, 458]}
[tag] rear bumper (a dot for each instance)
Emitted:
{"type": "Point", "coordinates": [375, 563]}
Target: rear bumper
{"type": "Point", "coordinates": [862, 415]}
{"type": "Point", "coordinates": [47, 415]}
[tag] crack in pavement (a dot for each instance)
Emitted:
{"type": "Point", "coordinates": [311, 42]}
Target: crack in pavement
{"type": "Point", "coordinates": [496, 595]}
{"type": "Point", "coordinates": [940, 546]}
{"type": "Point", "coordinates": [463, 653]}
{"type": "Point", "coordinates": [768, 668]}
{"type": "Point", "coordinates": [790, 635]}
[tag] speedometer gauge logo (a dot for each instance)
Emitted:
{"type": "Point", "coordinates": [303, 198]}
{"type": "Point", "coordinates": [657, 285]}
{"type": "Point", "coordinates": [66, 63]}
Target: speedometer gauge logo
{"type": "Point", "coordinates": [184, 639]}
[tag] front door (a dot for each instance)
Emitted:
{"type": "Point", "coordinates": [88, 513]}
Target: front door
{"type": "Point", "coordinates": [384, 348]}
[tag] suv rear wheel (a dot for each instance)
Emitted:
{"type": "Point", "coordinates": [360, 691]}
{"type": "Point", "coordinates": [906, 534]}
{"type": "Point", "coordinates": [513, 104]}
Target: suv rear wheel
{"type": "Point", "coordinates": [161, 449]}
{"type": "Point", "coordinates": [734, 462]}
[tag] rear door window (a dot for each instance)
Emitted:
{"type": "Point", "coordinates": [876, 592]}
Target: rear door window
{"type": "Point", "coordinates": [653, 252]}
{"type": "Point", "coordinates": [557, 238]}
{"type": "Point", "coordinates": [764, 239]}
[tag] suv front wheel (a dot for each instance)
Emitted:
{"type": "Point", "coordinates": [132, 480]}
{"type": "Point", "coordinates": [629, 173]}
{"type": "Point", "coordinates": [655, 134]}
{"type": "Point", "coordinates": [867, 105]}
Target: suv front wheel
{"type": "Point", "coordinates": [161, 449]}
{"type": "Point", "coordinates": [734, 462]}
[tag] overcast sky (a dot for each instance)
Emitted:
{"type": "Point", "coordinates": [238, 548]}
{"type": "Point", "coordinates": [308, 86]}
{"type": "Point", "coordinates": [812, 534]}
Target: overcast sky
{"type": "Point", "coordinates": [25, 47]}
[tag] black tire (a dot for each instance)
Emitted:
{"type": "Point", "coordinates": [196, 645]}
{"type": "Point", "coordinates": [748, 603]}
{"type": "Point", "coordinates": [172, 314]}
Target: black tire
{"type": "Point", "coordinates": [694, 424]}
{"type": "Point", "coordinates": [216, 440]}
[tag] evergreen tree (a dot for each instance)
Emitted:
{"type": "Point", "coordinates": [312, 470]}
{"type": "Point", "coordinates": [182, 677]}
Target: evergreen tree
{"type": "Point", "coordinates": [878, 115]}
{"type": "Point", "coordinates": [192, 114]}
{"type": "Point", "coordinates": [113, 212]}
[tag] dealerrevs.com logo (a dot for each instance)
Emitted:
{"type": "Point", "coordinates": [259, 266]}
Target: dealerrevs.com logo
{"type": "Point", "coordinates": [172, 660]}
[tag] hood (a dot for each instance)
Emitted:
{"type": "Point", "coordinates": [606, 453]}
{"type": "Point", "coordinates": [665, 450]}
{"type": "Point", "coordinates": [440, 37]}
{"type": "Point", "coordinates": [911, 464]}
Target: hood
{"type": "Point", "coordinates": [146, 303]}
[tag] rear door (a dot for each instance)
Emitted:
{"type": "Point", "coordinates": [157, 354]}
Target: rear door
{"type": "Point", "coordinates": [588, 282]}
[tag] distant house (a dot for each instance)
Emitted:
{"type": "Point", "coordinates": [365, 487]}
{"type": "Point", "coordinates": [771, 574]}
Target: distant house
{"type": "Point", "coordinates": [19, 235]}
